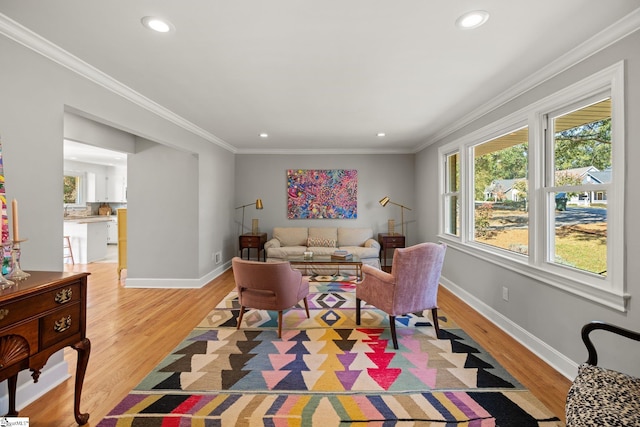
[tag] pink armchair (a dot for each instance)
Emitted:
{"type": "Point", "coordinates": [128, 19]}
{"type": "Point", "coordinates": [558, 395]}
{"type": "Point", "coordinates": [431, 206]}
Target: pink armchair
{"type": "Point", "coordinates": [268, 286]}
{"type": "Point", "coordinates": [411, 287]}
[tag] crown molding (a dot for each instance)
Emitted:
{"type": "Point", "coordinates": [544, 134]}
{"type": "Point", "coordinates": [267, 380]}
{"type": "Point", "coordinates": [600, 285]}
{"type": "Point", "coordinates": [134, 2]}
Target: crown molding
{"type": "Point", "coordinates": [605, 38]}
{"type": "Point", "coordinates": [20, 34]}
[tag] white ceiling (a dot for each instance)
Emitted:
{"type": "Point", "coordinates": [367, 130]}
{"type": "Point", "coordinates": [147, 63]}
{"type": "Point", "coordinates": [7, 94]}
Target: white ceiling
{"type": "Point", "coordinates": [86, 153]}
{"type": "Point", "coordinates": [318, 75]}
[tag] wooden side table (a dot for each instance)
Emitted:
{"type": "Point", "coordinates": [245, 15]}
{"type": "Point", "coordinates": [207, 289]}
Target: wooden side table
{"type": "Point", "coordinates": [389, 241]}
{"type": "Point", "coordinates": [249, 241]}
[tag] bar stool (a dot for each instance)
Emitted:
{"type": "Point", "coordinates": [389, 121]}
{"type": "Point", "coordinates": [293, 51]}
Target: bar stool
{"type": "Point", "coordinates": [67, 245]}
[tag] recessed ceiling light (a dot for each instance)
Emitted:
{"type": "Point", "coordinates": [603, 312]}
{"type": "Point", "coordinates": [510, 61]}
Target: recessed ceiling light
{"type": "Point", "coordinates": [472, 19]}
{"type": "Point", "coordinates": [264, 135]}
{"type": "Point", "coordinates": [157, 24]}
{"type": "Point", "coordinates": [381, 134]}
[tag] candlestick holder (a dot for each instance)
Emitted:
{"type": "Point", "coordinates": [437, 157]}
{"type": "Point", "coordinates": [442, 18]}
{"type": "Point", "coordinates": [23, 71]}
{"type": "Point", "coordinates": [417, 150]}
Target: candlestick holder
{"type": "Point", "coordinates": [16, 271]}
{"type": "Point", "coordinates": [4, 282]}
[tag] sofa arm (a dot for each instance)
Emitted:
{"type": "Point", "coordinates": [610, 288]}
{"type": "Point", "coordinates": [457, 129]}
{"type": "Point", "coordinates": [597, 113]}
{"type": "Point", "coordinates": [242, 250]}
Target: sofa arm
{"type": "Point", "coordinates": [372, 243]}
{"type": "Point", "coordinates": [273, 243]}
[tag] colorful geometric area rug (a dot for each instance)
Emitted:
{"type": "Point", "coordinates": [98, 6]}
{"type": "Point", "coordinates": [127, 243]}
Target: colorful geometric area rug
{"type": "Point", "coordinates": [327, 371]}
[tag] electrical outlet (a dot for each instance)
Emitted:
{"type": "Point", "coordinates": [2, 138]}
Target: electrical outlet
{"type": "Point", "coordinates": [505, 293]}
{"type": "Point", "coordinates": [218, 257]}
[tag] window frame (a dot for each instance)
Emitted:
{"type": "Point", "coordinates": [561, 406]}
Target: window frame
{"type": "Point", "coordinates": [81, 199]}
{"type": "Point", "coordinates": [609, 291]}
{"type": "Point", "coordinates": [448, 194]}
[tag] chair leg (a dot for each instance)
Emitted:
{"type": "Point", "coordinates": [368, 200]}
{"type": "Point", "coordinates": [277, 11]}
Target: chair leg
{"type": "Point", "coordinates": [280, 324]}
{"type": "Point", "coordinates": [240, 317]}
{"type": "Point", "coordinates": [306, 306]}
{"type": "Point", "coordinates": [392, 325]}
{"type": "Point", "coordinates": [358, 303]}
{"type": "Point", "coordinates": [436, 326]}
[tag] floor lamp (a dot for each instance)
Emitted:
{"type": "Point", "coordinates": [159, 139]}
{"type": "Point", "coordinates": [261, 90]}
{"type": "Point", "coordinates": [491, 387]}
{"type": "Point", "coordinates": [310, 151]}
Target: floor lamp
{"type": "Point", "coordinates": [258, 204]}
{"type": "Point", "coordinates": [385, 200]}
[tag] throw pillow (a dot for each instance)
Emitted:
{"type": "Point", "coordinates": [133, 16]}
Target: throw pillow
{"type": "Point", "coordinates": [320, 242]}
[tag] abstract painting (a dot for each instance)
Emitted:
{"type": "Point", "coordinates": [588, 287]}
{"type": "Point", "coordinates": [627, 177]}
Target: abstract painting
{"type": "Point", "coordinates": [322, 193]}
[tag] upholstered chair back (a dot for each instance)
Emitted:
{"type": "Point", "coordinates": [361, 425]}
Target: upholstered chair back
{"type": "Point", "coordinates": [416, 270]}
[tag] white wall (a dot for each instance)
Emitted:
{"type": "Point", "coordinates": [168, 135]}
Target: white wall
{"type": "Point", "coordinates": [265, 177]}
{"type": "Point", "coordinates": [545, 318]}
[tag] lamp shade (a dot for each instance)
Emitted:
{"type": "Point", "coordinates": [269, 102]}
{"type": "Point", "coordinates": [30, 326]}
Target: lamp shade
{"type": "Point", "coordinates": [384, 200]}
{"type": "Point", "coordinates": [259, 204]}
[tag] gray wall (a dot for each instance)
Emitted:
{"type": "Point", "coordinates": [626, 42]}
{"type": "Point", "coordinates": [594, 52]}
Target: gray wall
{"type": "Point", "coordinates": [36, 93]}
{"type": "Point", "coordinates": [162, 188]}
{"type": "Point", "coordinates": [545, 318]}
{"type": "Point", "coordinates": [264, 176]}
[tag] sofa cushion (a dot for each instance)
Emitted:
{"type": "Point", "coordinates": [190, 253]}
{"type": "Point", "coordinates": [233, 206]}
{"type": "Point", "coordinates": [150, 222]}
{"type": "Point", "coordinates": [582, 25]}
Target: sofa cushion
{"type": "Point", "coordinates": [286, 252]}
{"type": "Point", "coordinates": [353, 236]}
{"type": "Point", "coordinates": [322, 237]}
{"type": "Point", "coordinates": [603, 397]}
{"type": "Point", "coordinates": [291, 236]}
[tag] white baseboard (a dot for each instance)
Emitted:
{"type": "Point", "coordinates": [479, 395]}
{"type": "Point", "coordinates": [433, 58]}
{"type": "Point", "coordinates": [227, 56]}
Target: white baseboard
{"type": "Point", "coordinates": [177, 283]}
{"type": "Point", "coordinates": [554, 358]}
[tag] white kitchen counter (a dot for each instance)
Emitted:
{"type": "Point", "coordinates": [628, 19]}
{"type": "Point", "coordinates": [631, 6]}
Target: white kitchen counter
{"type": "Point", "coordinates": [90, 219]}
{"type": "Point", "coordinates": [88, 237]}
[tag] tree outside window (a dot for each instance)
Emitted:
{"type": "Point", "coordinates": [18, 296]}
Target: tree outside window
{"type": "Point", "coordinates": [72, 186]}
{"type": "Point", "coordinates": [501, 216]}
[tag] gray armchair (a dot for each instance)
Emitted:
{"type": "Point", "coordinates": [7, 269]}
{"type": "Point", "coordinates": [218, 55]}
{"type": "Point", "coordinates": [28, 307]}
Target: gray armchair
{"type": "Point", "coordinates": [412, 285]}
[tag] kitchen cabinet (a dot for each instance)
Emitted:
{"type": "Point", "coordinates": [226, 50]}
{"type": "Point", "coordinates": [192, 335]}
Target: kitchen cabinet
{"type": "Point", "coordinates": [106, 188]}
{"type": "Point", "coordinates": [96, 187]}
{"type": "Point", "coordinates": [122, 241]}
{"type": "Point", "coordinates": [117, 188]}
{"type": "Point", "coordinates": [112, 231]}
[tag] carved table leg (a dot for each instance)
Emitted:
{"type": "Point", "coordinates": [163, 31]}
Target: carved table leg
{"type": "Point", "coordinates": [84, 349]}
{"type": "Point", "coordinates": [12, 382]}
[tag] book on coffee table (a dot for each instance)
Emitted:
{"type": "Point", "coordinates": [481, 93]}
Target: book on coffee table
{"type": "Point", "coordinates": [341, 255]}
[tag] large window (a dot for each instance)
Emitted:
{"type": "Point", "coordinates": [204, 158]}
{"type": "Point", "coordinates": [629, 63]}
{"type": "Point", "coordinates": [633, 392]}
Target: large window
{"type": "Point", "coordinates": [541, 190]}
{"type": "Point", "coordinates": [582, 168]}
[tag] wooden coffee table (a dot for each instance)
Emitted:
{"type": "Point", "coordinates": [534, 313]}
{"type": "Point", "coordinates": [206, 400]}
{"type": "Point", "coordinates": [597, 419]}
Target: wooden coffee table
{"type": "Point", "coordinates": [302, 263]}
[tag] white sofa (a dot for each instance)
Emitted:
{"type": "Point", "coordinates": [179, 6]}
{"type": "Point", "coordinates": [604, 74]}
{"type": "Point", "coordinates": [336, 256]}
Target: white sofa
{"type": "Point", "coordinates": [290, 242]}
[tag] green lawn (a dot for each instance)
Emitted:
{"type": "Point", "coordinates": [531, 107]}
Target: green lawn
{"type": "Point", "coordinates": [582, 246]}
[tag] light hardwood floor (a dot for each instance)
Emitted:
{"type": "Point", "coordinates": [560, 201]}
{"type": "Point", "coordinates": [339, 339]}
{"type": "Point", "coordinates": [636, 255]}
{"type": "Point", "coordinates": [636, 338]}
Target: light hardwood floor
{"type": "Point", "coordinates": [132, 330]}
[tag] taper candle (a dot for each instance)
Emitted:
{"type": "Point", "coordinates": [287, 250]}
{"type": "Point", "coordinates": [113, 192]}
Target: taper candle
{"type": "Point", "coordinates": [14, 210]}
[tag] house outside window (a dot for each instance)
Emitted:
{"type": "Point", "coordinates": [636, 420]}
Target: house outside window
{"type": "Point", "coordinates": [541, 190]}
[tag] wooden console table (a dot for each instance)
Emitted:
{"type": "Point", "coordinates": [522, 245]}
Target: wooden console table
{"type": "Point", "coordinates": [38, 317]}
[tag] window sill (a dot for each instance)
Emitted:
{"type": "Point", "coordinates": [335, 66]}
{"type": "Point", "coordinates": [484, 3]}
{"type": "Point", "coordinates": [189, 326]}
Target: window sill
{"type": "Point", "coordinates": [609, 298]}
